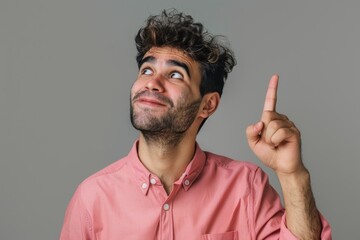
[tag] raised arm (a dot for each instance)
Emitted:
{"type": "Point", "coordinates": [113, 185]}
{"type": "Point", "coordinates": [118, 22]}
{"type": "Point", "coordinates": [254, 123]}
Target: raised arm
{"type": "Point", "coordinates": [276, 141]}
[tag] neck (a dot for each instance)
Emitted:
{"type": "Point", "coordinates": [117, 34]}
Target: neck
{"type": "Point", "coordinates": [167, 161]}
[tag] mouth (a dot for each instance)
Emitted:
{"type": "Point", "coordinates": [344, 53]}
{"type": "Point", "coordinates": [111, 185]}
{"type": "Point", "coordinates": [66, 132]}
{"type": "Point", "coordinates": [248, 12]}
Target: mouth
{"type": "Point", "coordinates": [152, 100]}
{"type": "Point", "coordinates": [149, 102]}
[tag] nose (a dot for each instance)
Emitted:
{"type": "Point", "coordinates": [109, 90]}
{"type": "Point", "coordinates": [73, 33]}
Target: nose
{"type": "Point", "coordinates": [155, 83]}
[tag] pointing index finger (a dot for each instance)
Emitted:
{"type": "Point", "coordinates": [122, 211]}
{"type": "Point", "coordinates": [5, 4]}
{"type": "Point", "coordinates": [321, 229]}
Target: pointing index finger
{"type": "Point", "coordinates": [271, 94]}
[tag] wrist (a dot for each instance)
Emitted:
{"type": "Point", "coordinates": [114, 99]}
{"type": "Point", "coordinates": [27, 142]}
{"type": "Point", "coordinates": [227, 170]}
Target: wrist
{"type": "Point", "coordinates": [300, 173]}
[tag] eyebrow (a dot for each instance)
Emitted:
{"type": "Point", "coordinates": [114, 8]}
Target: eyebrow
{"type": "Point", "coordinates": [146, 59]}
{"type": "Point", "coordinates": [170, 62]}
{"type": "Point", "coordinates": [179, 64]}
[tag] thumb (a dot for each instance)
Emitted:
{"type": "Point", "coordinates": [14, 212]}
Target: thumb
{"type": "Point", "coordinates": [253, 133]}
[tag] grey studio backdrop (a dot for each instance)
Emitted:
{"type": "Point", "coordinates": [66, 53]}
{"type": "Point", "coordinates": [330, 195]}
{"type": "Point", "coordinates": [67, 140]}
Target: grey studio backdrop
{"type": "Point", "coordinates": [66, 68]}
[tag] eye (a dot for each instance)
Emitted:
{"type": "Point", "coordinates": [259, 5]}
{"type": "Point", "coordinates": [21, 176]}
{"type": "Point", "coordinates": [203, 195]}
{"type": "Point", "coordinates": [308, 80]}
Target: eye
{"type": "Point", "coordinates": [146, 71]}
{"type": "Point", "coordinates": [176, 75]}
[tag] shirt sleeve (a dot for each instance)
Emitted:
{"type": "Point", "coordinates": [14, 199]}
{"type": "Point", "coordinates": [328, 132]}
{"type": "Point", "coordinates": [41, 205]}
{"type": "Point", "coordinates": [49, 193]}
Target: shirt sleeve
{"type": "Point", "coordinates": [77, 221]}
{"type": "Point", "coordinates": [269, 215]}
{"type": "Point", "coordinates": [325, 233]}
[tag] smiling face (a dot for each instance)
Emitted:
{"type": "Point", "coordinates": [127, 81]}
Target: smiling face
{"type": "Point", "coordinates": [165, 98]}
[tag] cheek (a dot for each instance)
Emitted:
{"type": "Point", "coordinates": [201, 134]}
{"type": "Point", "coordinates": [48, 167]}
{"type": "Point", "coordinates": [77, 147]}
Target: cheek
{"type": "Point", "coordinates": [195, 93]}
{"type": "Point", "coordinates": [183, 98]}
{"type": "Point", "coordinates": [135, 88]}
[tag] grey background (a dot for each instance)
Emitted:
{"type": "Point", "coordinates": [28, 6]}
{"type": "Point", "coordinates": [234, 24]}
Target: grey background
{"type": "Point", "coordinates": [66, 68]}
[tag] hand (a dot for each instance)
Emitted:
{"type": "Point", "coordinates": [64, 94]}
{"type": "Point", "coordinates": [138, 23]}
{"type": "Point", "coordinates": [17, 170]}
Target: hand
{"type": "Point", "coordinates": [275, 140]}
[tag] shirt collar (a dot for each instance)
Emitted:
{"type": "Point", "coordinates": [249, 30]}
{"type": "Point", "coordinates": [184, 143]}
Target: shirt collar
{"type": "Point", "coordinates": [144, 178]}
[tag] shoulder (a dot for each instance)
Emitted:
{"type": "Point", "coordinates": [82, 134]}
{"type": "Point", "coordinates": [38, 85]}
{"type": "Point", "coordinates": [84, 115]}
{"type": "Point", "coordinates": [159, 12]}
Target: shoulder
{"type": "Point", "coordinates": [219, 164]}
{"type": "Point", "coordinates": [115, 169]}
{"type": "Point", "coordinates": [110, 169]}
{"type": "Point", "coordinates": [226, 168]}
{"type": "Point", "coordinates": [104, 177]}
{"type": "Point", "coordinates": [229, 163]}
{"type": "Point", "coordinates": [227, 173]}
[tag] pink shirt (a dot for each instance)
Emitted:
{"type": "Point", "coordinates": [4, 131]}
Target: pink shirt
{"type": "Point", "coordinates": [215, 199]}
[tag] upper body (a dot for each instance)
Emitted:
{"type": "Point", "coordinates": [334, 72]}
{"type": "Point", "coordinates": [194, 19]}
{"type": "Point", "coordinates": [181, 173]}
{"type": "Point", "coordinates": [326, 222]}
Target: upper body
{"type": "Point", "coordinates": [182, 70]}
{"type": "Point", "coordinates": [215, 198]}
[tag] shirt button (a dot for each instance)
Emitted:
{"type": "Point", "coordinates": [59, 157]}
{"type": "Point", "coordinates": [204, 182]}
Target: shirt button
{"type": "Point", "coordinates": [144, 185]}
{"type": "Point", "coordinates": [166, 207]}
{"type": "Point", "coordinates": [187, 182]}
{"type": "Point", "coordinates": [152, 181]}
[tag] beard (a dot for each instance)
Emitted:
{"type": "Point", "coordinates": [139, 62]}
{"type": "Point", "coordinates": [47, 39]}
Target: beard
{"type": "Point", "coordinates": [169, 128]}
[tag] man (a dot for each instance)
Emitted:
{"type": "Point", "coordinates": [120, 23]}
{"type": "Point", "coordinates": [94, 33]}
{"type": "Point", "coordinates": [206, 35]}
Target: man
{"type": "Point", "coordinates": [167, 187]}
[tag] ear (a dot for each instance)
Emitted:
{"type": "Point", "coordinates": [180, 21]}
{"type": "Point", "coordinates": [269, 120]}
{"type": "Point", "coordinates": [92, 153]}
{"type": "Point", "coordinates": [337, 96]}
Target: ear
{"type": "Point", "coordinates": [209, 104]}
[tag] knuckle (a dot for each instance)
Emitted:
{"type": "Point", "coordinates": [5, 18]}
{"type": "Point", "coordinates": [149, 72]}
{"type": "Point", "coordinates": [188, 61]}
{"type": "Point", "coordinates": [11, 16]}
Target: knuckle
{"type": "Point", "coordinates": [274, 125]}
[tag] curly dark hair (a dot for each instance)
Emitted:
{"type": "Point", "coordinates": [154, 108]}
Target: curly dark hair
{"type": "Point", "coordinates": [175, 29]}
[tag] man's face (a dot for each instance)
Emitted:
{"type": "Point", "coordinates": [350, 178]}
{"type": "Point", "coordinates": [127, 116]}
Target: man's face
{"type": "Point", "coordinates": [165, 98]}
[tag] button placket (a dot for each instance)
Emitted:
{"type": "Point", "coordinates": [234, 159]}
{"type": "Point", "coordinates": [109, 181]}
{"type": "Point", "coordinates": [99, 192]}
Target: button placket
{"type": "Point", "coordinates": [167, 225]}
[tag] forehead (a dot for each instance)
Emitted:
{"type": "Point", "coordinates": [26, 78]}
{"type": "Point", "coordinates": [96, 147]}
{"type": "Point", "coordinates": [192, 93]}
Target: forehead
{"type": "Point", "coordinates": [169, 52]}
